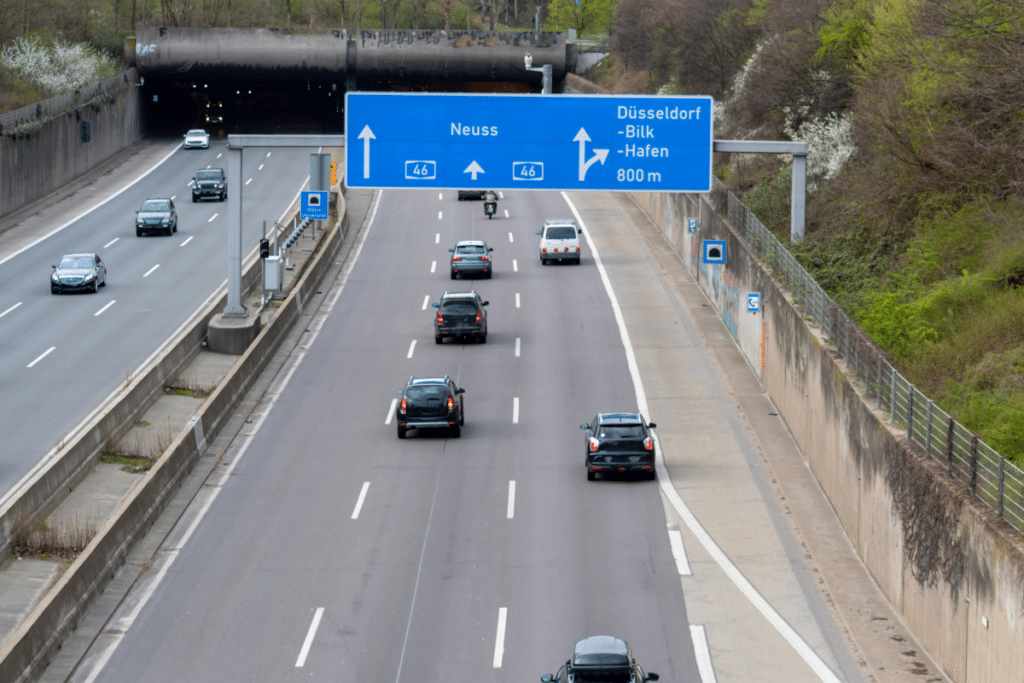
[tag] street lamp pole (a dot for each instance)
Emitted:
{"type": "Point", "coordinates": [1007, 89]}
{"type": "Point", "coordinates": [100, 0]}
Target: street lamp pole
{"type": "Point", "coordinates": [544, 69]}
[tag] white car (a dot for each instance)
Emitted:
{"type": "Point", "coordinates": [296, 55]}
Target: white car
{"type": "Point", "coordinates": [197, 137]}
{"type": "Point", "coordinates": [559, 241]}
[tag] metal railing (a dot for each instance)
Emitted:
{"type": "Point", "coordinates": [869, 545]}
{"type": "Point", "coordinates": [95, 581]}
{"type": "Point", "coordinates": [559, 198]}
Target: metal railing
{"type": "Point", "coordinates": [990, 476]}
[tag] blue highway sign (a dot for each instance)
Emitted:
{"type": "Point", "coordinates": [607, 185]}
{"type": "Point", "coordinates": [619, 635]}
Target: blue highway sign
{"type": "Point", "coordinates": [528, 142]}
{"type": "Point", "coordinates": [314, 206]}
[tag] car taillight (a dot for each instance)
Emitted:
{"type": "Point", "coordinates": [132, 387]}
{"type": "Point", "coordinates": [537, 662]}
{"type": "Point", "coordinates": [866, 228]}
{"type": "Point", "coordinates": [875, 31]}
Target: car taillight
{"type": "Point", "coordinates": [648, 444]}
{"type": "Point", "coordinates": [440, 320]}
{"type": "Point", "coordinates": [485, 258]}
{"type": "Point", "coordinates": [479, 316]}
{"type": "Point", "coordinates": [451, 403]}
{"type": "Point", "coordinates": [404, 404]}
{"type": "Point", "coordinates": [544, 250]}
{"type": "Point", "coordinates": [577, 248]}
{"type": "Point", "coordinates": [593, 444]}
{"type": "Point", "coordinates": [456, 258]}
{"type": "Point", "coordinates": [555, 250]}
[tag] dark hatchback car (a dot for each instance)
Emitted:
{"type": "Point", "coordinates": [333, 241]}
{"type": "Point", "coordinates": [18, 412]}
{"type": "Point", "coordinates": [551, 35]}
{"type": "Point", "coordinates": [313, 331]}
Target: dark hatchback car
{"type": "Point", "coordinates": [430, 403]}
{"type": "Point", "coordinates": [471, 194]}
{"type": "Point", "coordinates": [601, 659]}
{"type": "Point", "coordinates": [78, 273]}
{"type": "Point", "coordinates": [619, 443]}
{"type": "Point", "coordinates": [156, 215]}
{"type": "Point", "coordinates": [471, 257]}
{"type": "Point", "coordinates": [210, 183]}
{"type": "Point", "coordinates": [460, 315]}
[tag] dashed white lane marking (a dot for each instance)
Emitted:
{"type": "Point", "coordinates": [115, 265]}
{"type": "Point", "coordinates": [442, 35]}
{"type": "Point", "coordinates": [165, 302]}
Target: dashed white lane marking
{"type": "Point", "coordinates": [703, 653]}
{"type": "Point", "coordinates": [212, 217]}
{"type": "Point", "coordinates": [515, 266]}
{"type": "Point", "coordinates": [10, 309]}
{"type": "Point", "coordinates": [260, 168]}
{"type": "Point", "coordinates": [510, 237]}
{"type": "Point", "coordinates": [148, 272]}
{"type": "Point", "coordinates": [506, 213]}
{"type": "Point", "coordinates": [186, 241]}
{"type": "Point", "coordinates": [220, 155]}
{"type": "Point", "coordinates": [433, 266]}
{"type": "Point", "coordinates": [675, 540]}
{"type": "Point", "coordinates": [111, 242]}
{"type": "Point", "coordinates": [499, 641]}
{"type": "Point", "coordinates": [437, 238]}
{"type": "Point", "coordinates": [438, 215]}
{"type": "Point", "coordinates": [360, 500]}
{"type": "Point", "coordinates": [114, 301]}
{"type": "Point", "coordinates": [426, 300]}
{"type": "Point", "coordinates": [412, 347]}
{"type": "Point", "coordinates": [517, 347]}
{"type": "Point", "coordinates": [440, 195]}
{"type": "Point", "coordinates": [248, 181]}
{"type": "Point", "coordinates": [391, 411]}
{"type": "Point", "coordinates": [510, 513]}
{"type": "Point", "coordinates": [517, 299]}
{"type": "Point", "coordinates": [810, 657]}
{"type": "Point", "coordinates": [304, 652]}
{"type": "Point", "coordinates": [174, 196]}
{"type": "Point", "coordinates": [515, 410]}
{"type": "Point", "coordinates": [45, 354]}
{"type": "Point", "coordinates": [268, 156]}
{"type": "Point", "coordinates": [501, 195]}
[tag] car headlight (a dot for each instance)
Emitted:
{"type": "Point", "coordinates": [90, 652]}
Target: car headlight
{"type": "Point", "coordinates": [54, 278]}
{"type": "Point", "coordinates": [90, 276]}
{"type": "Point", "coordinates": [139, 222]}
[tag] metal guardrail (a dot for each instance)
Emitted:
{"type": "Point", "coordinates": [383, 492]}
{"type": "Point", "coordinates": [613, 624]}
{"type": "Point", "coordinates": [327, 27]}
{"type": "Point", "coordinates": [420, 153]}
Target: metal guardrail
{"type": "Point", "coordinates": [55, 106]}
{"type": "Point", "coordinates": [990, 476]}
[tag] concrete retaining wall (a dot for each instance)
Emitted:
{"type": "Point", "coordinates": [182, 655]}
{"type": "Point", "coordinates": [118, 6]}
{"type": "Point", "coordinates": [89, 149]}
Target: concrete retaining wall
{"type": "Point", "coordinates": [953, 572]}
{"type": "Point", "coordinates": [32, 138]}
{"type": "Point", "coordinates": [27, 653]}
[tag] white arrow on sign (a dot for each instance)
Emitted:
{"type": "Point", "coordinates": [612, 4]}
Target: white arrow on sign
{"type": "Point", "coordinates": [599, 154]}
{"type": "Point", "coordinates": [474, 168]}
{"type": "Point", "coordinates": [366, 136]}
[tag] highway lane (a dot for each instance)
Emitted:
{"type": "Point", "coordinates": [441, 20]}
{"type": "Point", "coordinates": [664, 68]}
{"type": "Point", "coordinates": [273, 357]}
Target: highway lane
{"type": "Point", "coordinates": [62, 355]}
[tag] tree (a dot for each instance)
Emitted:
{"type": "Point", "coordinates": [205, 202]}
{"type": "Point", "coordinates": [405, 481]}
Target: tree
{"type": "Point", "coordinates": [583, 15]}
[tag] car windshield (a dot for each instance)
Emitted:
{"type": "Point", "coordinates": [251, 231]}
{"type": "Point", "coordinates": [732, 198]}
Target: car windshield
{"type": "Point", "coordinates": [561, 233]}
{"type": "Point", "coordinates": [620, 432]}
{"type": "Point", "coordinates": [208, 175]}
{"type": "Point", "coordinates": [458, 306]}
{"type": "Point", "coordinates": [76, 262]}
{"type": "Point", "coordinates": [196, 131]}
{"type": "Point", "coordinates": [426, 391]}
{"type": "Point", "coordinates": [156, 205]}
{"type": "Point", "coordinates": [470, 249]}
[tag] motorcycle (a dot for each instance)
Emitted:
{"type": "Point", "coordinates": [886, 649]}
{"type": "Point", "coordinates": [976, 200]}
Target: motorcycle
{"type": "Point", "coordinates": [490, 205]}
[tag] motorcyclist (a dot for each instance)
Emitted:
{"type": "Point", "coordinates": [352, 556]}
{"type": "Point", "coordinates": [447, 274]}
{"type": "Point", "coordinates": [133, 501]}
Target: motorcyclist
{"type": "Point", "coordinates": [490, 204]}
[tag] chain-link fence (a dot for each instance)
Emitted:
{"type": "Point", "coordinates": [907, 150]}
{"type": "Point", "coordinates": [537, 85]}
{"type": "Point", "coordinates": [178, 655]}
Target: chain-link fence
{"type": "Point", "coordinates": [990, 477]}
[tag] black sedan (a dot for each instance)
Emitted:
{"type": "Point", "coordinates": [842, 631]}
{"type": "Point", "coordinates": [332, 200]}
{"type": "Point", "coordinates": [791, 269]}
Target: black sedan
{"type": "Point", "coordinates": [78, 273]}
{"type": "Point", "coordinates": [619, 443]}
{"type": "Point", "coordinates": [430, 403]}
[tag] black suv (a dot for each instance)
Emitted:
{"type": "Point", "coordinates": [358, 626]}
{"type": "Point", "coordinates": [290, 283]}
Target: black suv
{"type": "Point", "coordinates": [210, 183]}
{"type": "Point", "coordinates": [156, 215]}
{"type": "Point", "coordinates": [619, 443]}
{"type": "Point", "coordinates": [603, 659]}
{"type": "Point", "coordinates": [460, 314]}
{"type": "Point", "coordinates": [430, 403]}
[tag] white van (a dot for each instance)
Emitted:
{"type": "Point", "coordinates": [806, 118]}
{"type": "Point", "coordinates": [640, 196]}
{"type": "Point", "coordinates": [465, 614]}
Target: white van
{"type": "Point", "coordinates": [559, 241]}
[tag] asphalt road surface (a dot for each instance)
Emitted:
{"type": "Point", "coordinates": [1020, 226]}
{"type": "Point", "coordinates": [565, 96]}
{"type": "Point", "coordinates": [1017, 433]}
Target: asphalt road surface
{"type": "Point", "coordinates": [63, 355]}
{"type": "Point", "coordinates": [325, 548]}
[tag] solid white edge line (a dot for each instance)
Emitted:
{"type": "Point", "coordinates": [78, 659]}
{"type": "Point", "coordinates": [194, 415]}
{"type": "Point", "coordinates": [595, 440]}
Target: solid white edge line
{"type": "Point", "coordinates": [166, 560]}
{"type": "Point", "coordinates": [391, 411]}
{"type": "Point", "coordinates": [665, 482]}
{"type": "Point", "coordinates": [112, 302]}
{"type": "Point", "coordinates": [11, 308]}
{"type": "Point", "coordinates": [308, 643]}
{"type": "Point", "coordinates": [702, 653]}
{"type": "Point", "coordinates": [186, 241]}
{"type": "Point", "coordinates": [675, 540]}
{"type": "Point", "coordinates": [412, 347]}
{"type": "Point", "coordinates": [426, 302]}
{"type": "Point", "coordinates": [360, 500]}
{"type": "Point", "coordinates": [517, 346]}
{"type": "Point", "coordinates": [515, 410]}
{"type": "Point", "coordinates": [499, 640]}
{"type": "Point", "coordinates": [111, 242]}
{"type": "Point", "coordinates": [511, 511]}
{"type": "Point", "coordinates": [44, 355]}
{"type": "Point", "coordinates": [93, 208]}
{"type": "Point", "coordinates": [148, 272]}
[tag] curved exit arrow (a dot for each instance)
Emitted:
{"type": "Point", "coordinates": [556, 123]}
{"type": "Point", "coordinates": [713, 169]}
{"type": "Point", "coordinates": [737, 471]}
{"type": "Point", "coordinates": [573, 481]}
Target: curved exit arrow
{"type": "Point", "coordinates": [599, 154]}
{"type": "Point", "coordinates": [366, 136]}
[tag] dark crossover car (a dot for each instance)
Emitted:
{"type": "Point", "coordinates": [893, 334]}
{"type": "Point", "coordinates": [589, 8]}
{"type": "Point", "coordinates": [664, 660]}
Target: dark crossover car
{"type": "Point", "coordinates": [210, 183]}
{"type": "Point", "coordinates": [430, 403]}
{"type": "Point", "coordinates": [460, 314]}
{"type": "Point", "coordinates": [156, 215]}
{"type": "Point", "coordinates": [600, 659]}
{"type": "Point", "coordinates": [471, 194]}
{"type": "Point", "coordinates": [471, 257]}
{"type": "Point", "coordinates": [78, 273]}
{"type": "Point", "coordinates": [619, 443]}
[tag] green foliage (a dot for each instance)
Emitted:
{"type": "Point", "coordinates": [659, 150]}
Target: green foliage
{"type": "Point", "coordinates": [587, 15]}
{"type": "Point", "coordinates": [846, 31]}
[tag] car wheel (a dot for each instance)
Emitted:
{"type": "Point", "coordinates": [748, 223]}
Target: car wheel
{"type": "Point", "coordinates": [591, 475]}
{"type": "Point", "coordinates": [96, 286]}
{"type": "Point", "coordinates": [462, 417]}
{"type": "Point", "coordinates": [175, 227]}
{"type": "Point", "coordinates": [487, 275]}
{"type": "Point", "coordinates": [483, 338]}
{"type": "Point", "coordinates": [577, 260]}
{"type": "Point", "coordinates": [138, 233]}
{"type": "Point", "coordinates": [195, 199]}
{"type": "Point", "coordinates": [456, 431]}
{"type": "Point", "coordinates": [223, 196]}
{"type": "Point", "coordinates": [652, 475]}
{"type": "Point", "coordinates": [438, 339]}
{"type": "Point", "coordinates": [454, 276]}
{"type": "Point", "coordinates": [543, 261]}
{"type": "Point", "coordinates": [401, 432]}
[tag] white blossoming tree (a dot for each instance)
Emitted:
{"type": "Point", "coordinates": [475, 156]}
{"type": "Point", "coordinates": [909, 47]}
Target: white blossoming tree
{"type": "Point", "coordinates": [56, 66]}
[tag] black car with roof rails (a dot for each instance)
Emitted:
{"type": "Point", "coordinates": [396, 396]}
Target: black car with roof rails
{"type": "Point", "coordinates": [601, 659]}
{"type": "Point", "coordinates": [619, 443]}
{"type": "Point", "coordinates": [460, 315]}
{"type": "Point", "coordinates": [430, 403]}
{"type": "Point", "coordinates": [210, 183]}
